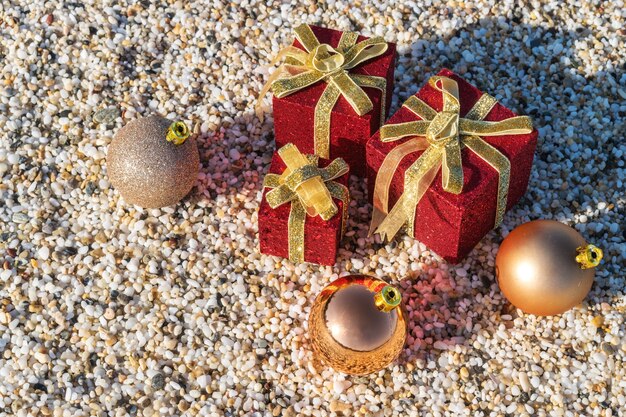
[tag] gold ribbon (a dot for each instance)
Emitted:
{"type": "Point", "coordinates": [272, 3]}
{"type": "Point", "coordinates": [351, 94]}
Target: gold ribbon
{"type": "Point", "coordinates": [441, 135]}
{"type": "Point", "coordinates": [288, 188]}
{"type": "Point", "coordinates": [323, 62]}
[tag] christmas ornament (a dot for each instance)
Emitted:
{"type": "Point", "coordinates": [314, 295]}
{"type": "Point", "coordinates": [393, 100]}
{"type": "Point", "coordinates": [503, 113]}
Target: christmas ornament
{"type": "Point", "coordinates": [545, 267]}
{"type": "Point", "coordinates": [357, 324]}
{"type": "Point", "coordinates": [151, 162]}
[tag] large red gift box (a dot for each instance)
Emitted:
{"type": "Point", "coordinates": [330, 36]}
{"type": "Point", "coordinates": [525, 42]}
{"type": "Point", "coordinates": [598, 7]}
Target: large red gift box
{"type": "Point", "coordinates": [321, 238]}
{"type": "Point", "coordinates": [452, 224]}
{"type": "Point", "coordinates": [349, 132]}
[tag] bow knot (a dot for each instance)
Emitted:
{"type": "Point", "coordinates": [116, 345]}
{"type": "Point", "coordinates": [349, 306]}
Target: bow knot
{"type": "Point", "coordinates": [327, 59]}
{"type": "Point", "coordinates": [443, 128]}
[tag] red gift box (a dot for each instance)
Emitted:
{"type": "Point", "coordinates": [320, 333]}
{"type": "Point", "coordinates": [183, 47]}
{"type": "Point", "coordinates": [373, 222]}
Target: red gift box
{"type": "Point", "coordinates": [349, 132]}
{"type": "Point", "coordinates": [321, 237]}
{"type": "Point", "coordinates": [452, 224]}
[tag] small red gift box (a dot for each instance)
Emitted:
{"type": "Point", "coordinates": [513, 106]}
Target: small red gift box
{"type": "Point", "coordinates": [321, 238]}
{"type": "Point", "coordinates": [348, 132]}
{"type": "Point", "coordinates": [450, 223]}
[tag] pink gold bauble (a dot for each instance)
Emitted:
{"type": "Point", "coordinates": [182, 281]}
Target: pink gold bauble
{"type": "Point", "coordinates": [357, 324]}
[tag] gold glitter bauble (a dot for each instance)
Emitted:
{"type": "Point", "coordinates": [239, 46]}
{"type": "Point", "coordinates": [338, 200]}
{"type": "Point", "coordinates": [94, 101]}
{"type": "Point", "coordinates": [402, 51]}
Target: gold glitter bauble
{"type": "Point", "coordinates": [545, 267]}
{"type": "Point", "coordinates": [151, 163]}
{"type": "Point", "coordinates": [357, 324]}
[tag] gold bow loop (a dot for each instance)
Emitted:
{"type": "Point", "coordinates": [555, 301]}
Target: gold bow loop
{"type": "Point", "coordinates": [322, 62]}
{"type": "Point", "coordinates": [327, 59]}
{"type": "Point", "coordinates": [441, 135]}
{"type": "Point", "coordinates": [310, 190]}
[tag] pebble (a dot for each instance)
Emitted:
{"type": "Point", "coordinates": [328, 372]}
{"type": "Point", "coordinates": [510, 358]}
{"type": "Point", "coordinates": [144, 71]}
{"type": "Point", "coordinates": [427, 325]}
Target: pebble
{"type": "Point", "coordinates": [173, 311]}
{"type": "Point", "coordinates": [440, 345]}
{"type": "Point", "coordinates": [234, 154]}
{"type": "Point", "coordinates": [41, 357]}
{"type": "Point", "coordinates": [524, 381]}
{"type": "Point", "coordinates": [158, 381]}
{"type": "Point", "coordinates": [600, 357]}
{"type": "Point", "coordinates": [598, 321]}
{"type": "Point", "coordinates": [340, 386]}
{"type": "Point", "coordinates": [109, 314]}
{"type": "Point", "coordinates": [357, 264]}
{"type": "Point", "coordinates": [13, 158]}
{"type": "Point", "coordinates": [106, 115]}
{"type": "Point", "coordinates": [535, 382]}
{"type": "Point", "coordinates": [468, 56]}
{"type": "Point", "coordinates": [44, 253]}
{"type": "Point", "coordinates": [339, 407]}
{"type": "Point", "coordinates": [203, 380]}
{"type": "Point", "coordinates": [20, 218]}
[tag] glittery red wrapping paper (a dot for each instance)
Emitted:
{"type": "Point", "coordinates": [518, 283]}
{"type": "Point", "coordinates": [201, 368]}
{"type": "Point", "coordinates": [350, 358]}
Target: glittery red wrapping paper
{"type": "Point", "coordinates": [450, 224]}
{"type": "Point", "coordinates": [321, 238]}
{"type": "Point", "coordinates": [349, 132]}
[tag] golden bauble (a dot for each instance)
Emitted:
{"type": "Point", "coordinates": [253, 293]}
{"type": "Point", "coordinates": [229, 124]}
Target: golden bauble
{"type": "Point", "coordinates": [545, 267]}
{"type": "Point", "coordinates": [357, 324]}
{"type": "Point", "coordinates": [152, 163]}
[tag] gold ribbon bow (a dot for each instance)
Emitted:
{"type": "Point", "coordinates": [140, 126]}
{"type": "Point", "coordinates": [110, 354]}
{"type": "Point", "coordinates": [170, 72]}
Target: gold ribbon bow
{"type": "Point", "coordinates": [333, 65]}
{"type": "Point", "coordinates": [295, 187]}
{"type": "Point", "coordinates": [441, 135]}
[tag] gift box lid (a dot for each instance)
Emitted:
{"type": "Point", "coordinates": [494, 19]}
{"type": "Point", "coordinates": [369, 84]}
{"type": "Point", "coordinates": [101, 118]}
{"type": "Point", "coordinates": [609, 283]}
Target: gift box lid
{"type": "Point", "coordinates": [322, 236]}
{"type": "Point", "coordinates": [378, 67]}
{"type": "Point", "coordinates": [477, 173]}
